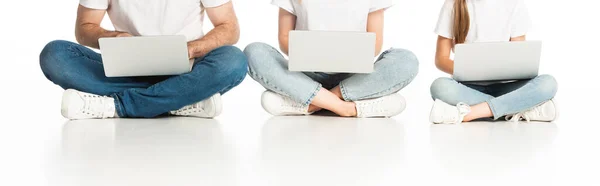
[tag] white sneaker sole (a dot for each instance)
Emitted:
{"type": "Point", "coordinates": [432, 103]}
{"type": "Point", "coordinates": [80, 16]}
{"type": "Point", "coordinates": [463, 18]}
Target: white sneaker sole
{"type": "Point", "coordinates": [66, 102]}
{"type": "Point", "coordinates": [435, 109]}
{"type": "Point", "coordinates": [216, 99]}
{"type": "Point", "coordinates": [555, 110]}
{"type": "Point", "coordinates": [269, 97]}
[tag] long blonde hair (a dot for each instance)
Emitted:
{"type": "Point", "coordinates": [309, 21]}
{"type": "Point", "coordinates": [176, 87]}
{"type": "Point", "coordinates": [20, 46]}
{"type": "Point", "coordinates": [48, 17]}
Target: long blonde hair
{"type": "Point", "coordinates": [462, 21]}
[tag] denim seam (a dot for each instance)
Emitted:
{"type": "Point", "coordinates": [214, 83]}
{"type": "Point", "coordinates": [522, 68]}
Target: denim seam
{"type": "Point", "coordinates": [314, 94]}
{"type": "Point", "coordinates": [263, 80]}
{"type": "Point", "coordinates": [403, 83]}
{"type": "Point", "coordinates": [497, 117]}
{"type": "Point", "coordinates": [344, 93]}
{"type": "Point", "coordinates": [118, 106]}
{"type": "Point", "coordinates": [237, 82]}
{"type": "Point", "coordinates": [493, 109]}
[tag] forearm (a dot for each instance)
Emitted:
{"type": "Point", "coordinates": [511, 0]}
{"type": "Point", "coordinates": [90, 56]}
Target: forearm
{"type": "Point", "coordinates": [378, 47]}
{"type": "Point", "coordinates": [88, 34]}
{"type": "Point", "coordinates": [222, 35]}
{"type": "Point", "coordinates": [284, 44]}
{"type": "Point", "coordinates": [445, 65]}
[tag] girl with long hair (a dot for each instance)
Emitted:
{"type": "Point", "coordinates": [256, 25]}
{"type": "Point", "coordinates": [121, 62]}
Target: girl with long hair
{"type": "Point", "coordinates": [469, 21]}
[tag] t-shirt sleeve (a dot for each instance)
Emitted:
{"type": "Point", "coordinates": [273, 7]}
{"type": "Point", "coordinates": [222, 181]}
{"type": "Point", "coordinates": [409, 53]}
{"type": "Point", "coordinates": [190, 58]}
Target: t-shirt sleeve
{"type": "Point", "coordinates": [520, 22]}
{"type": "Point", "coordinates": [444, 24]}
{"type": "Point", "coordinates": [284, 4]}
{"type": "Point", "coordinates": [380, 4]}
{"type": "Point", "coordinates": [95, 4]}
{"type": "Point", "coordinates": [213, 3]}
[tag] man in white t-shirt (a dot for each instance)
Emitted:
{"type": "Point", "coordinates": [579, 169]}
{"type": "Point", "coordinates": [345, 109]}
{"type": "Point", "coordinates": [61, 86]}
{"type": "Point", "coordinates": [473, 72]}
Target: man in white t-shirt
{"type": "Point", "coordinates": [218, 66]}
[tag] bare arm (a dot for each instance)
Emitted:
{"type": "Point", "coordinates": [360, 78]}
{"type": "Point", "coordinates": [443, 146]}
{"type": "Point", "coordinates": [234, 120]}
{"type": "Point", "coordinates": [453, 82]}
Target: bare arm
{"type": "Point", "coordinates": [287, 23]}
{"type": "Point", "coordinates": [88, 30]}
{"type": "Point", "coordinates": [375, 25]}
{"type": "Point", "coordinates": [442, 55]}
{"type": "Point", "coordinates": [226, 31]}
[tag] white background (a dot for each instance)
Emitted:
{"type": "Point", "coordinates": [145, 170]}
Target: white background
{"type": "Point", "coordinates": [32, 129]}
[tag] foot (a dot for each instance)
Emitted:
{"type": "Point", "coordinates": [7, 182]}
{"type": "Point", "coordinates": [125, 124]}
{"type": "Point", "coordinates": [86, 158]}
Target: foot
{"type": "Point", "coordinates": [81, 105]}
{"type": "Point", "coordinates": [444, 113]}
{"type": "Point", "coordinates": [208, 108]}
{"type": "Point", "coordinates": [279, 105]}
{"type": "Point", "coordinates": [545, 112]}
{"type": "Point", "coordinates": [386, 106]}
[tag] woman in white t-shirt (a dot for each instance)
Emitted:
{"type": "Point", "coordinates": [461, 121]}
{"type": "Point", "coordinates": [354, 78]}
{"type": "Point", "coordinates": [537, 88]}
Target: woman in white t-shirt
{"type": "Point", "coordinates": [468, 21]}
{"type": "Point", "coordinates": [349, 95]}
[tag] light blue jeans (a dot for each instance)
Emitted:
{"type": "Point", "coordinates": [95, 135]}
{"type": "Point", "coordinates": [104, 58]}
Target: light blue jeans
{"type": "Point", "coordinates": [503, 98]}
{"type": "Point", "coordinates": [394, 70]}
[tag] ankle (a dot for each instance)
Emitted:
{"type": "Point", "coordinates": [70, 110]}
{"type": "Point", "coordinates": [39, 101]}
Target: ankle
{"type": "Point", "coordinates": [347, 109]}
{"type": "Point", "coordinates": [313, 108]}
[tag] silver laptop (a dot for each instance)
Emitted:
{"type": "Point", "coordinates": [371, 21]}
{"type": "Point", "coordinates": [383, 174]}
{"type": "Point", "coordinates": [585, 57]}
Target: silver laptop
{"type": "Point", "coordinates": [145, 56]}
{"type": "Point", "coordinates": [497, 61]}
{"type": "Point", "coordinates": [337, 52]}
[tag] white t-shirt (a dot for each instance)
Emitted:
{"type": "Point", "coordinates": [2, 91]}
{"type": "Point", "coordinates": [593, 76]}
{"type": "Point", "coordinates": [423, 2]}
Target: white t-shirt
{"type": "Point", "coordinates": [156, 17]}
{"type": "Point", "coordinates": [491, 20]}
{"type": "Point", "coordinates": [332, 15]}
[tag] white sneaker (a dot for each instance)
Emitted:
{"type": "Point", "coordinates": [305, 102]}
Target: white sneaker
{"type": "Point", "coordinates": [545, 112]}
{"type": "Point", "coordinates": [208, 108]}
{"type": "Point", "coordinates": [386, 106]}
{"type": "Point", "coordinates": [279, 105]}
{"type": "Point", "coordinates": [444, 113]}
{"type": "Point", "coordinates": [81, 105]}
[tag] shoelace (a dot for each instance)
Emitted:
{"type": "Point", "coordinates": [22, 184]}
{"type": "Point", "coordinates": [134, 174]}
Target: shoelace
{"type": "Point", "coordinates": [536, 111]}
{"type": "Point", "coordinates": [463, 110]}
{"type": "Point", "coordinates": [517, 117]}
{"type": "Point", "coordinates": [526, 115]}
{"type": "Point", "coordinates": [96, 106]}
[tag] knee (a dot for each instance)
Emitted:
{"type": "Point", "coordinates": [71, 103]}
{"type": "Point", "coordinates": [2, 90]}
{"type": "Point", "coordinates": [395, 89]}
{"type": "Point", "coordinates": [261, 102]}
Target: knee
{"type": "Point", "coordinates": [404, 61]}
{"type": "Point", "coordinates": [235, 63]}
{"type": "Point", "coordinates": [53, 58]}
{"type": "Point", "coordinates": [546, 85]}
{"type": "Point", "coordinates": [258, 54]}
{"type": "Point", "coordinates": [443, 88]}
{"type": "Point", "coordinates": [257, 49]}
{"type": "Point", "coordinates": [399, 65]}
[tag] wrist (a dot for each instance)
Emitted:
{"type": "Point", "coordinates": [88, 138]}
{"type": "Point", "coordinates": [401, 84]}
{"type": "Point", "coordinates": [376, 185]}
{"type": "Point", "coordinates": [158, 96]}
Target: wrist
{"type": "Point", "coordinates": [192, 50]}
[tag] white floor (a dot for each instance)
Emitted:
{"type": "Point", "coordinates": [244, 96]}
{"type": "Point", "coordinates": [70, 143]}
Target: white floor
{"type": "Point", "coordinates": [289, 151]}
{"type": "Point", "coordinates": [246, 147]}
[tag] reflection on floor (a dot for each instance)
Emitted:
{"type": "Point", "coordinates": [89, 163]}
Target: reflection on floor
{"type": "Point", "coordinates": [330, 151]}
{"type": "Point", "coordinates": [290, 151]}
{"type": "Point", "coordinates": [490, 149]}
{"type": "Point", "coordinates": [174, 151]}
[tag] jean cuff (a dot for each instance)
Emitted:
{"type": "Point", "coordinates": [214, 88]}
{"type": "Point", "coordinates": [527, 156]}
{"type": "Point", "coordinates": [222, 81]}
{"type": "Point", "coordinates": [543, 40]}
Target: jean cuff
{"type": "Point", "coordinates": [493, 109]}
{"type": "Point", "coordinates": [345, 95]}
{"type": "Point", "coordinates": [312, 96]}
{"type": "Point", "coordinates": [119, 106]}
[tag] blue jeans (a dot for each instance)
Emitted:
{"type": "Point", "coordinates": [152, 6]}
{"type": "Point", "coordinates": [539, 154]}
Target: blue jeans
{"type": "Point", "coordinates": [73, 66]}
{"type": "Point", "coordinates": [394, 70]}
{"type": "Point", "coordinates": [503, 98]}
